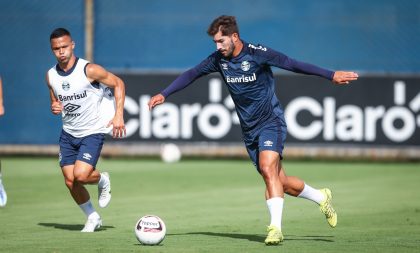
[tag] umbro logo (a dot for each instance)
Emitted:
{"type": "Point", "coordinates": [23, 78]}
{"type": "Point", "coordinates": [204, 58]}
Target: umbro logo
{"type": "Point", "coordinates": [71, 107]}
{"type": "Point", "coordinates": [268, 143]}
{"type": "Point", "coordinates": [87, 156]}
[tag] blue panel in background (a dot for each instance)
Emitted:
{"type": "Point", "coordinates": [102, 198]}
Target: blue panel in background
{"type": "Point", "coordinates": [366, 36]}
{"type": "Point", "coordinates": [25, 57]}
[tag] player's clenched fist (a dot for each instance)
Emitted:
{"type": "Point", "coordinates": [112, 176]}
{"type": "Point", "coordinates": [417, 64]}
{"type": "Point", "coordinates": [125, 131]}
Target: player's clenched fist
{"type": "Point", "coordinates": [56, 107]}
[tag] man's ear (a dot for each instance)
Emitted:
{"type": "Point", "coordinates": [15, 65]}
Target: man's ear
{"type": "Point", "coordinates": [235, 37]}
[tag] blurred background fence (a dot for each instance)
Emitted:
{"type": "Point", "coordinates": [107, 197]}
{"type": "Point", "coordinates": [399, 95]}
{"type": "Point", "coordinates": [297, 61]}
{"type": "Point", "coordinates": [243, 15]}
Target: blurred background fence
{"type": "Point", "coordinates": [148, 43]}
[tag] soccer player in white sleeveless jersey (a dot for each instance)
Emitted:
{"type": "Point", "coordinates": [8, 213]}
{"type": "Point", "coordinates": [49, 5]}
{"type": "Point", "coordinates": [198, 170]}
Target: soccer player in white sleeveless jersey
{"type": "Point", "coordinates": [80, 92]}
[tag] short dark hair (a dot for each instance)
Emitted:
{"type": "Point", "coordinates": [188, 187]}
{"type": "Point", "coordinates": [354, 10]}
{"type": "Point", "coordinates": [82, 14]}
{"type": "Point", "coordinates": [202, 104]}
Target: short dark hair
{"type": "Point", "coordinates": [226, 24]}
{"type": "Point", "coordinates": [59, 32]}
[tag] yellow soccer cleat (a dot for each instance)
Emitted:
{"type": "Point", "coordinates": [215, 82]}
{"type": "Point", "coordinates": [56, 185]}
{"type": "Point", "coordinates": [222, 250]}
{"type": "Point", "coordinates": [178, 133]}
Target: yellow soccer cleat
{"type": "Point", "coordinates": [274, 236]}
{"type": "Point", "coordinates": [327, 209]}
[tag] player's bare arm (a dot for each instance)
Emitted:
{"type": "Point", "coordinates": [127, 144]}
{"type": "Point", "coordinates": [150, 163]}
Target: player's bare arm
{"type": "Point", "coordinates": [156, 100]}
{"type": "Point", "coordinates": [344, 77]}
{"type": "Point", "coordinates": [95, 72]}
{"type": "Point", "coordinates": [56, 106]}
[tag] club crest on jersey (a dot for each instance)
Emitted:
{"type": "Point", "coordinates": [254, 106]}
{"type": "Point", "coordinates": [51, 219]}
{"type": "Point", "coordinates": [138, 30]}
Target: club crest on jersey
{"type": "Point", "coordinates": [225, 66]}
{"type": "Point", "coordinates": [245, 65]}
{"type": "Point", "coordinates": [65, 85]}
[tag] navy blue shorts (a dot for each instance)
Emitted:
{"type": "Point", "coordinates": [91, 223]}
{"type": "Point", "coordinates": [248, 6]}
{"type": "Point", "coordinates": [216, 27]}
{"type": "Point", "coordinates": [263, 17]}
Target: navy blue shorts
{"type": "Point", "coordinates": [271, 137]}
{"type": "Point", "coordinates": [86, 149]}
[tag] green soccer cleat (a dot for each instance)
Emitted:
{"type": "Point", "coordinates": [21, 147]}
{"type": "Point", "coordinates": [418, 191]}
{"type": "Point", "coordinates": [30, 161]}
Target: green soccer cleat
{"type": "Point", "coordinates": [274, 236]}
{"type": "Point", "coordinates": [326, 208]}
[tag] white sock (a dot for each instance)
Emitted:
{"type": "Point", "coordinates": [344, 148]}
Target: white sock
{"type": "Point", "coordinates": [275, 206]}
{"type": "Point", "coordinates": [102, 180]}
{"type": "Point", "coordinates": [312, 194]}
{"type": "Point", "coordinates": [88, 209]}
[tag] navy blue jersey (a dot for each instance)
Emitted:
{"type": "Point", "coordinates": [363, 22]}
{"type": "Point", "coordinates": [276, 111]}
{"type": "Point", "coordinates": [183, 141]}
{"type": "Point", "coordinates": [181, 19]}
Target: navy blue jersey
{"type": "Point", "coordinates": [250, 81]}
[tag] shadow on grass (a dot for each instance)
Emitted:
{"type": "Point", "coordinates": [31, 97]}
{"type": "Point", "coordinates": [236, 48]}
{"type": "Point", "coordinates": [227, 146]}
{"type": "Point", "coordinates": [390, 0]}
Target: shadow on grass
{"type": "Point", "coordinates": [71, 227]}
{"type": "Point", "coordinates": [320, 238]}
{"type": "Point", "coordinates": [261, 238]}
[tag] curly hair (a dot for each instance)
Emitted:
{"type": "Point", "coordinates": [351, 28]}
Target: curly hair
{"type": "Point", "coordinates": [226, 24]}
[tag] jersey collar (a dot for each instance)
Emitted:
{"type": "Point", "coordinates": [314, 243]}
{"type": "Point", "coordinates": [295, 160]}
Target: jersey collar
{"type": "Point", "coordinates": [61, 72]}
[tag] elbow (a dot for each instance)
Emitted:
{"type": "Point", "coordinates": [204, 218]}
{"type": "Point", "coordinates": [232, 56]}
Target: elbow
{"type": "Point", "coordinates": [120, 86]}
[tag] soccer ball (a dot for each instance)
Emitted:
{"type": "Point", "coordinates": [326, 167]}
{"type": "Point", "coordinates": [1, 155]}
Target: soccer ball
{"type": "Point", "coordinates": [150, 230]}
{"type": "Point", "coordinates": [170, 153]}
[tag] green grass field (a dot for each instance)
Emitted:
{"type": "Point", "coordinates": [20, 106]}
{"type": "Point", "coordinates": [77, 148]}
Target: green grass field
{"type": "Point", "coordinates": [212, 206]}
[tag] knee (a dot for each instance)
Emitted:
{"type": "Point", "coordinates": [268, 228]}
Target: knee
{"type": "Point", "coordinates": [69, 183]}
{"type": "Point", "coordinates": [268, 172]}
{"type": "Point", "coordinates": [81, 178]}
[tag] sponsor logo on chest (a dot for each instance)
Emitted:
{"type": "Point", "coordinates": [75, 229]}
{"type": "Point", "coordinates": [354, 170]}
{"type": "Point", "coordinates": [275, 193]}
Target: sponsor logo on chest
{"type": "Point", "coordinates": [74, 96]}
{"type": "Point", "coordinates": [241, 79]}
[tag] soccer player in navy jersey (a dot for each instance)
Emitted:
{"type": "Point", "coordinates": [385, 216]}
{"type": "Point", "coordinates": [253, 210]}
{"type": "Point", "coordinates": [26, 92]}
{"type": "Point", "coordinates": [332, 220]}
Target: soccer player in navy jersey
{"type": "Point", "coordinates": [246, 70]}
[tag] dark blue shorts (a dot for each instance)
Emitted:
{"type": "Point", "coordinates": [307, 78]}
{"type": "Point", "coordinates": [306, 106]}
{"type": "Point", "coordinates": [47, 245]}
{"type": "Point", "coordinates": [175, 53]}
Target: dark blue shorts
{"type": "Point", "coordinates": [86, 149]}
{"type": "Point", "coordinates": [271, 137]}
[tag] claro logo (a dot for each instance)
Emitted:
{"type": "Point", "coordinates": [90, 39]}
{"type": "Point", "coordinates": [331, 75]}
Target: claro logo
{"type": "Point", "coordinates": [216, 118]}
{"type": "Point", "coordinates": [353, 123]}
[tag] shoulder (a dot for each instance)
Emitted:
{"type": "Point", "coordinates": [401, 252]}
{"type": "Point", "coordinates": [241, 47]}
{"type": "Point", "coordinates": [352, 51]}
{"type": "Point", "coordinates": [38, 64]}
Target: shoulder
{"type": "Point", "coordinates": [264, 53]}
{"type": "Point", "coordinates": [259, 52]}
{"type": "Point", "coordinates": [82, 61]}
{"type": "Point", "coordinates": [52, 69]}
{"type": "Point", "coordinates": [93, 70]}
{"type": "Point", "coordinates": [256, 49]}
{"type": "Point", "coordinates": [51, 73]}
{"type": "Point", "coordinates": [215, 56]}
{"type": "Point", "coordinates": [210, 61]}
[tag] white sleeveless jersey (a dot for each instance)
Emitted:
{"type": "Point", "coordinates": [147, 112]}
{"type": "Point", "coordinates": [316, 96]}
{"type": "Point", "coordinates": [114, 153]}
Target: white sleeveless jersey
{"type": "Point", "coordinates": [87, 107]}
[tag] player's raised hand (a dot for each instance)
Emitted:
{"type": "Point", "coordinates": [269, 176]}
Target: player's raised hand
{"type": "Point", "coordinates": [344, 77]}
{"type": "Point", "coordinates": [156, 100]}
{"type": "Point", "coordinates": [56, 107]}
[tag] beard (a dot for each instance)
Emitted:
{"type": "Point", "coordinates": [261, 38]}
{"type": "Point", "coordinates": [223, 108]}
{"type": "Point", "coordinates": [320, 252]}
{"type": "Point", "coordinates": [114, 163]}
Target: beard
{"type": "Point", "coordinates": [227, 53]}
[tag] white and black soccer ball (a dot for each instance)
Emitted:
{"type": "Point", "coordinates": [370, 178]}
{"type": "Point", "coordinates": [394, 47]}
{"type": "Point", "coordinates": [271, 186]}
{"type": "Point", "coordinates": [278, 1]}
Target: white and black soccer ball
{"type": "Point", "coordinates": [150, 230]}
{"type": "Point", "coordinates": [170, 153]}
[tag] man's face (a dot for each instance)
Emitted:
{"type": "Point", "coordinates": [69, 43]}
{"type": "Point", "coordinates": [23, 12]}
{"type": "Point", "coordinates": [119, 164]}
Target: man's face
{"type": "Point", "coordinates": [62, 48]}
{"type": "Point", "coordinates": [224, 44]}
